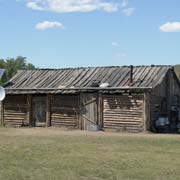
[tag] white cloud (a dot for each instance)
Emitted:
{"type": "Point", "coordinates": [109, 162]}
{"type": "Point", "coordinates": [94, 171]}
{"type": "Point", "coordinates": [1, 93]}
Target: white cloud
{"type": "Point", "coordinates": [115, 44]}
{"type": "Point", "coordinates": [64, 6]}
{"type": "Point", "coordinates": [128, 11]}
{"type": "Point", "coordinates": [48, 24]}
{"type": "Point", "coordinates": [34, 6]}
{"type": "Point", "coordinates": [170, 27]}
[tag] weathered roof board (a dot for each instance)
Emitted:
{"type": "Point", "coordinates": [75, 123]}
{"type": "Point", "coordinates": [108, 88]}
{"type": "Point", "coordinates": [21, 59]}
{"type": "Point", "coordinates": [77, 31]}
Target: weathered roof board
{"type": "Point", "coordinates": [117, 77]}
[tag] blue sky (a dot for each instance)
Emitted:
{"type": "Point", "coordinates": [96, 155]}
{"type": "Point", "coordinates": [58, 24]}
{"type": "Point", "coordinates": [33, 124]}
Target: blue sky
{"type": "Point", "coordinates": [72, 33]}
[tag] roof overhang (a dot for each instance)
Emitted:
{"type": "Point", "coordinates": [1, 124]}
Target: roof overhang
{"type": "Point", "coordinates": [75, 90]}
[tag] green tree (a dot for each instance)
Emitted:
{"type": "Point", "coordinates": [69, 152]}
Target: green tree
{"type": "Point", "coordinates": [11, 65]}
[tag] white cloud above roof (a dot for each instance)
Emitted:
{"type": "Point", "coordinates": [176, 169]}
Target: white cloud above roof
{"type": "Point", "coordinates": [64, 6]}
{"type": "Point", "coordinates": [48, 24]}
{"type": "Point", "coordinates": [170, 27]}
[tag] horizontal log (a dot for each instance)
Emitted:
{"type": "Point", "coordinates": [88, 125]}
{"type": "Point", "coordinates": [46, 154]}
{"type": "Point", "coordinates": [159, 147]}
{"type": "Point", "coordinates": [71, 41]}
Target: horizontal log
{"type": "Point", "coordinates": [123, 96]}
{"type": "Point", "coordinates": [134, 130]}
{"type": "Point", "coordinates": [114, 111]}
{"type": "Point", "coordinates": [123, 127]}
{"type": "Point", "coordinates": [111, 122]}
{"type": "Point", "coordinates": [122, 103]}
{"type": "Point", "coordinates": [122, 119]}
{"type": "Point", "coordinates": [64, 125]}
{"type": "Point", "coordinates": [13, 124]}
{"type": "Point", "coordinates": [64, 120]}
{"type": "Point", "coordinates": [122, 100]}
{"type": "Point", "coordinates": [114, 125]}
{"type": "Point", "coordinates": [62, 116]}
{"type": "Point", "coordinates": [15, 114]}
{"type": "Point", "coordinates": [19, 110]}
{"type": "Point", "coordinates": [124, 109]}
{"type": "Point", "coordinates": [15, 119]}
{"type": "Point", "coordinates": [64, 110]}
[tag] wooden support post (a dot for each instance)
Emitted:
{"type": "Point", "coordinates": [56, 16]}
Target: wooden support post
{"type": "Point", "coordinates": [100, 110]}
{"type": "Point", "coordinates": [79, 112]}
{"type": "Point", "coordinates": [2, 113]}
{"type": "Point", "coordinates": [48, 111]}
{"type": "Point", "coordinates": [146, 112]}
{"type": "Point", "coordinates": [81, 119]}
{"type": "Point", "coordinates": [29, 109]}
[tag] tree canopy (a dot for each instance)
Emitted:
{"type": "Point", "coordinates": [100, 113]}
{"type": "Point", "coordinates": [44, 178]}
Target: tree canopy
{"type": "Point", "coordinates": [11, 65]}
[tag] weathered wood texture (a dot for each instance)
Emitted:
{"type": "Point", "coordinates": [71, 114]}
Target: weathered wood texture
{"type": "Point", "coordinates": [1, 113]}
{"type": "Point", "coordinates": [123, 113]}
{"type": "Point", "coordinates": [65, 111]}
{"type": "Point", "coordinates": [173, 93]}
{"type": "Point", "coordinates": [15, 110]}
{"type": "Point", "coordinates": [48, 111]}
{"type": "Point", "coordinates": [42, 80]}
{"type": "Point", "coordinates": [163, 98]}
{"type": "Point", "coordinates": [157, 107]}
{"type": "Point", "coordinates": [100, 110]}
{"type": "Point", "coordinates": [146, 112]}
{"type": "Point", "coordinates": [89, 110]}
{"type": "Point", "coordinates": [29, 109]}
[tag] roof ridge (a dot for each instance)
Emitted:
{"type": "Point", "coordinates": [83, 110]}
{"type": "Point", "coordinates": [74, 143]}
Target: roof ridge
{"type": "Point", "coordinates": [54, 69]}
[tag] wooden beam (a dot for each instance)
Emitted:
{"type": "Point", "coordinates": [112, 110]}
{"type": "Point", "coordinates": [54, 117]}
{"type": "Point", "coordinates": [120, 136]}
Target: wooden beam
{"type": "Point", "coordinates": [146, 112]}
{"type": "Point", "coordinates": [29, 109]}
{"type": "Point", "coordinates": [2, 113]}
{"type": "Point", "coordinates": [81, 119]}
{"type": "Point", "coordinates": [79, 113]}
{"type": "Point", "coordinates": [48, 111]}
{"type": "Point", "coordinates": [100, 110]}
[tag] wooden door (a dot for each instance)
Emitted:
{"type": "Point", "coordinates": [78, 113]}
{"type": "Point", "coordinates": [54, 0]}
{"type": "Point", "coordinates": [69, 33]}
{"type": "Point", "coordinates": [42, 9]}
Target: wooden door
{"type": "Point", "coordinates": [39, 111]}
{"type": "Point", "coordinates": [89, 114]}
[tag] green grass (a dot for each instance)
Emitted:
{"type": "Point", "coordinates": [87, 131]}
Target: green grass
{"type": "Point", "coordinates": [52, 154]}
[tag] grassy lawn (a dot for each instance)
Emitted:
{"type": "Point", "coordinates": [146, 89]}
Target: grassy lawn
{"type": "Point", "coordinates": [53, 154]}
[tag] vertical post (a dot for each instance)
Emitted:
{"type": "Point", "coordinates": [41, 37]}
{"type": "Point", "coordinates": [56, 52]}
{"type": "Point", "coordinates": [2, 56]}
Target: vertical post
{"type": "Point", "coordinates": [100, 110]}
{"type": "Point", "coordinates": [79, 113]}
{"type": "Point", "coordinates": [81, 119]}
{"type": "Point", "coordinates": [2, 113]}
{"type": "Point", "coordinates": [48, 111]}
{"type": "Point", "coordinates": [146, 111]}
{"type": "Point", "coordinates": [29, 109]}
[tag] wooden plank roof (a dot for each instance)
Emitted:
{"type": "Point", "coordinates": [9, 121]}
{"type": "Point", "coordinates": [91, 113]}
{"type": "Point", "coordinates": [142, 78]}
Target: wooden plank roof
{"type": "Point", "coordinates": [77, 78]}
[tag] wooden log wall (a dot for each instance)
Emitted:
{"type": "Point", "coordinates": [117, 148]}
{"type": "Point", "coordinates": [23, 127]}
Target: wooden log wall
{"type": "Point", "coordinates": [155, 109]}
{"type": "Point", "coordinates": [123, 113]}
{"type": "Point", "coordinates": [173, 93]}
{"type": "Point", "coordinates": [65, 111]}
{"type": "Point", "coordinates": [15, 110]}
{"type": "Point", "coordinates": [163, 97]}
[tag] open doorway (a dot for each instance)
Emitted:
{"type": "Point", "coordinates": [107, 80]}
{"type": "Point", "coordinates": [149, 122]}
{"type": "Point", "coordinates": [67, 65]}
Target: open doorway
{"type": "Point", "coordinates": [39, 111]}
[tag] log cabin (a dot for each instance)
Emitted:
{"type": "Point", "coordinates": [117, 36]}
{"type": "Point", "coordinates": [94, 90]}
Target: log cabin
{"type": "Point", "coordinates": [117, 98]}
